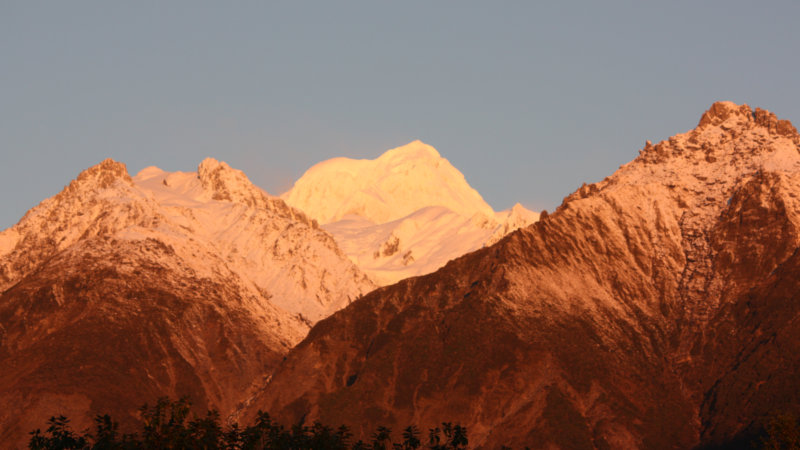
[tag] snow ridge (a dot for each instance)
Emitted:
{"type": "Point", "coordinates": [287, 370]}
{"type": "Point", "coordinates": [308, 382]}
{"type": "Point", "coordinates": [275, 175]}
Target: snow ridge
{"type": "Point", "coordinates": [396, 184]}
{"type": "Point", "coordinates": [219, 224]}
{"type": "Point", "coordinates": [404, 214]}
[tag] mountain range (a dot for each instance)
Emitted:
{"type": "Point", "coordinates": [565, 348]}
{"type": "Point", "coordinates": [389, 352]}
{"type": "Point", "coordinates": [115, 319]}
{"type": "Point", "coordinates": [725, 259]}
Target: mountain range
{"type": "Point", "coordinates": [656, 308]}
{"type": "Point", "coordinates": [183, 283]}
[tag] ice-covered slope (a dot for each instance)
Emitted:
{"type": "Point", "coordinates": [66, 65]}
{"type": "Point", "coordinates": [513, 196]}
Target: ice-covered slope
{"type": "Point", "coordinates": [120, 290]}
{"type": "Point", "coordinates": [422, 241]}
{"type": "Point", "coordinates": [297, 265]}
{"type": "Point", "coordinates": [403, 214]}
{"type": "Point", "coordinates": [401, 181]}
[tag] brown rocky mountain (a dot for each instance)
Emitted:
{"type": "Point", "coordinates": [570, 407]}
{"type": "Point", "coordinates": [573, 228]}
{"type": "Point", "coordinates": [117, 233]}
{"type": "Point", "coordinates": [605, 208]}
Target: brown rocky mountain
{"type": "Point", "coordinates": [654, 309]}
{"type": "Point", "coordinates": [120, 290]}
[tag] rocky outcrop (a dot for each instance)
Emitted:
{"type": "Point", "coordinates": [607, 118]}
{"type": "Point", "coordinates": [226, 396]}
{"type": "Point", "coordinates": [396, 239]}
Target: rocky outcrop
{"type": "Point", "coordinates": [654, 309]}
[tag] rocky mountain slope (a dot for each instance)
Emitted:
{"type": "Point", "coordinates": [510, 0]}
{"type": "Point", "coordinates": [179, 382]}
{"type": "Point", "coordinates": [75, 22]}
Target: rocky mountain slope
{"type": "Point", "coordinates": [403, 214]}
{"type": "Point", "coordinates": [119, 290]}
{"type": "Point", "coordinates": [654, 309]}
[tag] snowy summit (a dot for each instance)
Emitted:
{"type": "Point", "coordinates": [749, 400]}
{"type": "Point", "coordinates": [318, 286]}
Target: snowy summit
{"type": "Point", "coordinates": [399, 182]}
{"type": "Point", "coordinates": [405, 213]}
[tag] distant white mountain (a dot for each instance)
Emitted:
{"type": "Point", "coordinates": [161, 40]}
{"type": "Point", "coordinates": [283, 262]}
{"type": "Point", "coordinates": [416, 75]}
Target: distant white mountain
{"type": "Point", "coordinates": [406, 213]}
{"type": "Point", "coordinates": [401, 181]}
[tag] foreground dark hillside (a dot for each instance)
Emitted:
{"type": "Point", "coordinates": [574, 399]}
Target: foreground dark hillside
{"type": "Point", "coordinates": [655, 309]}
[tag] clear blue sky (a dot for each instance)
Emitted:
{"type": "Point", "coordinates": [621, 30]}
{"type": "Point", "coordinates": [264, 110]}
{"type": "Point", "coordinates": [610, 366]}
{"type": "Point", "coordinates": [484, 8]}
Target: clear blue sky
{"type": "Point", "coordinates": [527, 100]}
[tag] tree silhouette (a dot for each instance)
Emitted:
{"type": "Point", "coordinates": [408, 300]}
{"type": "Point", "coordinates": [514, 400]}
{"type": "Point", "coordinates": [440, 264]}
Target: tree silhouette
{"type": "Point", "coordinates": [411, 438]}
{"type": "Point", "coordinates": [781, 432]}
{"type": "Point", "coordinates": [167, 425]}
{"type": "Point", "coordinates": [59, 435]}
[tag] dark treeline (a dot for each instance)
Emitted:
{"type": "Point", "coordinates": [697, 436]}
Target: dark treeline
{"type": "Point", "coordinates": [167, 425]}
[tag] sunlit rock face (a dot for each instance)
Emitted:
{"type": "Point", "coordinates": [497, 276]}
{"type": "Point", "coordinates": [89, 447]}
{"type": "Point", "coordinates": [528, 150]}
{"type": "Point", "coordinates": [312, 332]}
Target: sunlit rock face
{"type": "Point", "coordinates": [654, 309]}
{"type": "Point", "coordinates": [405, 213]}
{"type": "Point", "coordinates": [122, 289]}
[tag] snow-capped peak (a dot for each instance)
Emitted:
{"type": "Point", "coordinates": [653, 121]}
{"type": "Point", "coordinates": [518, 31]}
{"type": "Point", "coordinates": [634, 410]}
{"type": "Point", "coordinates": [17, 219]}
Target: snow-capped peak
{"type": "Point", "coordinates": [215, 219]}
{"type": "Point", "coordinates": [690, 179]}
{"type": "Point", "coordinates": [724, 112]}
{"type": "Point", "coordinates": [226, 183]}
{"type": "Point", "coordinates": [405, 213]}
{"type": "Point", "coordinates": [728, 115]}
{"type": "Point", "coordinates": [104, 174]}
{"type": "Point", "coordinates": [729, 141]}
{"type": "Point", "coordinates": [394, 185]}
{"type": "Point", "coordinates": [511, 219]}
{"type": "Point", "coordinates": [415, 150]}
{"type": "Point", "coordinates": [519, 210]}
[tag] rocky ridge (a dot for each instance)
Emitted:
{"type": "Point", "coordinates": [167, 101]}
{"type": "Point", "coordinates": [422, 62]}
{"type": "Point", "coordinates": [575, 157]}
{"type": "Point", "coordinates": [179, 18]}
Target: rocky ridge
{"type": "Point", "coordinates": [653, 309]}
{"type": "Point", "coordinates": [122, 289]}
{"type": "Point", "coordinates": [216, 213]}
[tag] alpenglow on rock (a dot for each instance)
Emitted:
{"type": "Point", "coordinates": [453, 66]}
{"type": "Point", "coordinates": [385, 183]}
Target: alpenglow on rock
{"type": "Point", "coordinates": [120, 290]}
{"type": "Point", "coordinates": [657, 308]}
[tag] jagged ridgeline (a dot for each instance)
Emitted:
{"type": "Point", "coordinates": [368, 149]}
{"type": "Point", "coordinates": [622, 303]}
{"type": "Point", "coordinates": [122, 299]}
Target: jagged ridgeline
{"type": "Point", "coordinates": [121, 288]}
{"type": "Point", "coordinates": [125, 288]}
{"type": "Point", "coordinates": [654, 309]}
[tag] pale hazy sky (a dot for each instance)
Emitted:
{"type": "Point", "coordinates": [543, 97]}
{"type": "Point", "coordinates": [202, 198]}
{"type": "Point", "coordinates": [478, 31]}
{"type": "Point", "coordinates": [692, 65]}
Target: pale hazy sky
{"type": "Point", "coordinates": [527, 100]}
